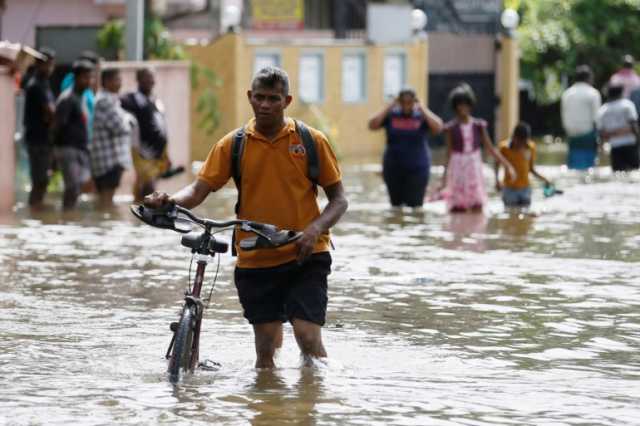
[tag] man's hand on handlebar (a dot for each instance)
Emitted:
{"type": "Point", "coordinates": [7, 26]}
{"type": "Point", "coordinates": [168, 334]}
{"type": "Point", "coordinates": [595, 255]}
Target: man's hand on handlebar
{"type": "Point", "coordinates": [306, 243]}
{"type": "Point", "coordinates": [157, 200]}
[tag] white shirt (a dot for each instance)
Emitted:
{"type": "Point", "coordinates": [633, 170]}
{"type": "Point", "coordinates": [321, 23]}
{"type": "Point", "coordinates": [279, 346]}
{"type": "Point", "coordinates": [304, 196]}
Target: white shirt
{"type": "Point", "coordinates": [617, 115]}
{"type": "Point", "coordinates": [579, 109]}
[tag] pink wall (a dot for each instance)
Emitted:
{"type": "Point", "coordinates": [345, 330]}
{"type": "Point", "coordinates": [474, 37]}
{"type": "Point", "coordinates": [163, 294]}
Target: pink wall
{"type": "Point", "coordinates": [7, 145]}
{"type": "Point", "coordinates": [21, 17]}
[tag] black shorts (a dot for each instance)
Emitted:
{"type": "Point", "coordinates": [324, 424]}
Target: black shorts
{"type": "Point", "coordinates": [109, 180]}
{"type": "Point", "coordinates": [625, 158]}
{"type": "Point", "coordinates": [285, 292]}
{"type": "Point", "coordinates": [40, 162]}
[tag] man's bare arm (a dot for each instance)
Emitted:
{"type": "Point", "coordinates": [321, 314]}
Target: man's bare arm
{"type": "Point", "coordinates": [331, 214]}
{"type": "Point", "coordinates": [188, 197]}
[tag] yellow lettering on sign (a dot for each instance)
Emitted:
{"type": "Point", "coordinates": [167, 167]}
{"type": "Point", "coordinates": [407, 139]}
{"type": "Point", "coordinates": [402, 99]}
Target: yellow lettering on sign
{"type": "Point", "coordinates": [269, 12]}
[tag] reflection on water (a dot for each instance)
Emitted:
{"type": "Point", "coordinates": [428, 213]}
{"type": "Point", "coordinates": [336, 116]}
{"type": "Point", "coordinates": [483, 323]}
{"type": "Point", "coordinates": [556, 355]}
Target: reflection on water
{"type": "Point", "coordinates": [483, 319]}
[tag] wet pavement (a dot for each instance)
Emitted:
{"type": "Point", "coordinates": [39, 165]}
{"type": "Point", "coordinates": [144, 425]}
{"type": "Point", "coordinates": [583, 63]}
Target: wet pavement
{"type": "Point", "coordinates": [434, 319]}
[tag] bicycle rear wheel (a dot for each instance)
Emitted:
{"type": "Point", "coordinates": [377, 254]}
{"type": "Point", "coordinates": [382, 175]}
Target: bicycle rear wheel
{"type": "Point", "coordinates": [182, 347]}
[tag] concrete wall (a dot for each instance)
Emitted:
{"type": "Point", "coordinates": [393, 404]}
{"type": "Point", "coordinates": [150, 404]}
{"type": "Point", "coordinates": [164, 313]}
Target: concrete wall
{"type": "Point", "coordinates": [21, 17]}
{"type": "Point", "coordinates": [173, 88]}
{"type": "Point", "coordinates": [231, 57]}
{"type": "Point", "coordinates": [464, 53]}
{"type": "Point", "coordinates": [7, 144]}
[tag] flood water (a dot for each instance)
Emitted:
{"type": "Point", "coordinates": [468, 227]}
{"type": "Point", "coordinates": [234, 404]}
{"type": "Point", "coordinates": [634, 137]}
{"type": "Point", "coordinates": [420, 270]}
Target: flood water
{"type": "Point", "coordinates": [434, 319]}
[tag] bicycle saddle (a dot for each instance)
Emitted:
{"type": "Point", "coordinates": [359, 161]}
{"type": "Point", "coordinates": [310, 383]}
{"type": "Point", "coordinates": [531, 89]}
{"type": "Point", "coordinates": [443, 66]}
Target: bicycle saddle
{"type": "Point", "coordinates": [164, 217]}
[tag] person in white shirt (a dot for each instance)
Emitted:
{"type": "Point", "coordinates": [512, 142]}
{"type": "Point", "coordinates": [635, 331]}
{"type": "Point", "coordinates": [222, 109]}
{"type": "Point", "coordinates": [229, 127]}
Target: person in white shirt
{"type": "Point", "coordinates": [626, 77]}
{"type": "Point", "coordinates": [579, 109]}
{"type": "Point", "coordinates": [618, 125]}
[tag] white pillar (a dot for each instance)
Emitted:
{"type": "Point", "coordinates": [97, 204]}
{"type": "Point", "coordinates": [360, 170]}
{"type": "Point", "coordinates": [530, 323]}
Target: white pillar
{"type": "Point", "coordinates": [135, 28]}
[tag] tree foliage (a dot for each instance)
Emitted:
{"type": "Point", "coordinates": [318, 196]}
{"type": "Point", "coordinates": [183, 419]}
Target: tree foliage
{"type": "Point", "coordinates": [159, 46]}
{"type": "Point", "coordinates": [558, 35]}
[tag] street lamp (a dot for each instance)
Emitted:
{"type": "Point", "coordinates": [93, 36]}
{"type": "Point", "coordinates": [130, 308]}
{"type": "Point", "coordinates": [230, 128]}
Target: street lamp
{"type": "Point", "coordinates": [509, 19]}
{"type": "Point", "coordinates": [231, 17]}
{"type": "Point", "coordinates": [419, 20]}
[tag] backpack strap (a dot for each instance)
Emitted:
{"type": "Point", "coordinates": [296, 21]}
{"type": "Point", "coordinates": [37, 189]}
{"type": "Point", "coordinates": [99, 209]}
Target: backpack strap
{"type": "Point", "coordinates": [237, 148]}
{"type": "Point", "coordinates": [313, 161]}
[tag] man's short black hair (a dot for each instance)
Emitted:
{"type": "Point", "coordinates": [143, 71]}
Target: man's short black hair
{"type": "Point", "coordinates": [141, 72]}
{"type": "Point", "coordinates": [462, 94]}
{"type": "Point", "coordinates": [522, 131]}
{"type": "Point", "coordinates": [82, 66]}
{"type": "Point", "coordinates": [48, 53]}
{"type": "Point", "coordinates": [407, 91]}
{"type": "Point", "coordinates": [583, 73]}
{"type": "Point", "coordinates": [615, 91]}
{"type": "Point", "coordinates": [89, 55]}
{"type": "Point", "coordinates": [271, 77]}
{"type": "Point", "coordinates": [108, 75]}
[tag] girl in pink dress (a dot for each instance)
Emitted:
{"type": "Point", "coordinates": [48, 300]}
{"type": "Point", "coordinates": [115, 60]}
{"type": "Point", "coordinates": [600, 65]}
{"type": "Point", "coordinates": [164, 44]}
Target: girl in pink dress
{"type": "Point", "coordinates": [465, 135]}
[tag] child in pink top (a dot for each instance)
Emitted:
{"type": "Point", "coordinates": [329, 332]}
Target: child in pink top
{"type": "Point", "coordinates": [465, 135]}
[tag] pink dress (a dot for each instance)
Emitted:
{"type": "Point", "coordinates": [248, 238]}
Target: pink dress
{"type": "Point", "coordinates": [465, 180]}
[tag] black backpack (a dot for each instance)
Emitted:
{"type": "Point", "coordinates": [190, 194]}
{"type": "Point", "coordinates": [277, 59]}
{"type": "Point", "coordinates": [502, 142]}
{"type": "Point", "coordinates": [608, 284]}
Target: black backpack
{"type": "Point", "coordinates": [237, 149]}
{"type": "Point", "coordinates": [313, 162]}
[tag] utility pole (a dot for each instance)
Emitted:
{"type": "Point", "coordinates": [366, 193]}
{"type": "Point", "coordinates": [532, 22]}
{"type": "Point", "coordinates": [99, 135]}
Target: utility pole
{"type": "Point", "coordinates": [3, 6]}
{"type": "Point", "coordinates": [134, 30]}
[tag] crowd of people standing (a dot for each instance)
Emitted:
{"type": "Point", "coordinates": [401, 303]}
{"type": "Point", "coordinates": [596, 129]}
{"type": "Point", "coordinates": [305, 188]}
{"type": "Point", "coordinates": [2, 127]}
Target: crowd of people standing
{"type": "Point", "coordinates": [587, 122]}
{"type": "Point", "coordinates": [91, 133]}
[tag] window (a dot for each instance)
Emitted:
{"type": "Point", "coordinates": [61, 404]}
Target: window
{"type": "Point", "coordinates": [263, 59]}
{"type": "Point", "coordinates": [311, 84]}
{"type": "Point", "coordinates": [394, 74]}
{"type": "Point", "coordinates": [353, 78]}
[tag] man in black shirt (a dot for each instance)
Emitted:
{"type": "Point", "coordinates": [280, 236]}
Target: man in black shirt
{"type": "Point", "coordinates": [38, 117]}
{"type": "Point", "coordinates": [149, 153]}
{"type": "Point", "coordinates": [71, 136]}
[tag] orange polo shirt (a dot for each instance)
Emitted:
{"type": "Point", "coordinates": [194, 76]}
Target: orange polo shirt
{"type": "Point", "coordinates": [522, 161]}
{"type": "Point", "coordinates": [275, 186]}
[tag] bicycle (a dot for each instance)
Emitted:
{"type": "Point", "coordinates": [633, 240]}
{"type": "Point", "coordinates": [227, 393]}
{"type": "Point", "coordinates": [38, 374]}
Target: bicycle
{"type": "Point", "coordinates": [183, 351]}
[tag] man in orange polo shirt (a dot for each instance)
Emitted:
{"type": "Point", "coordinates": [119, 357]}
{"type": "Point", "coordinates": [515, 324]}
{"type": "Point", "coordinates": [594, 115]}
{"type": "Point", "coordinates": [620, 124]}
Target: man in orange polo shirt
{"type": "Point", "coordinates": [290, 282]}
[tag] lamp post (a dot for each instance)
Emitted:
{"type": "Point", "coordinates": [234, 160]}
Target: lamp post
{"type": "Point", "coordinates": [419, 21]}
{"type": "Point", "coordinates": [134, 30]}
{"type": "Point", "coordinates": [509, 74]}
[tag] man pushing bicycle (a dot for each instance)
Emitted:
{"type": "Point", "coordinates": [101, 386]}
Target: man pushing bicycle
{"type": "Point", "coordinates": [277, 164]}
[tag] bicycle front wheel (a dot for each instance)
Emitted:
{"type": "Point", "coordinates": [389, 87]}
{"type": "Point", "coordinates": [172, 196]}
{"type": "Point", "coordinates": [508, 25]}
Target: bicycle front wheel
{"type": "Point", "coordinates": [182, 348]}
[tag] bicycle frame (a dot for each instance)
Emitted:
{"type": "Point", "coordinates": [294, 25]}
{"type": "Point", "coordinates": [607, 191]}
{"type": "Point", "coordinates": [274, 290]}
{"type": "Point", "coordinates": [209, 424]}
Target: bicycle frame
{"type": "Point", "coordinates": [192, 298]}
{"type": "Point", "coordinates": [184, 348]}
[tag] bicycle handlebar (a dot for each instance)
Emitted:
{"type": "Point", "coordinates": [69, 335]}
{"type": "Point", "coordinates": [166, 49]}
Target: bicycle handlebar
{"type": "Point", "coordinates": [209, 223]}
{"type": "Point", "coordinates": [267, 236]}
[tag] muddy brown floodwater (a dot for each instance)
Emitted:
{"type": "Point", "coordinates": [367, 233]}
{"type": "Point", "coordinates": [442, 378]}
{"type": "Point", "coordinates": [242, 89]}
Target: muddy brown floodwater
{"type": "Point", "coordinates": [433, 319]}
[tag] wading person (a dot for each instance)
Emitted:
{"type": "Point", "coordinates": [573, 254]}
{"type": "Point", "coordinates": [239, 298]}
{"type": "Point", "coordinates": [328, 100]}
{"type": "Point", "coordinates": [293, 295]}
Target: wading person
{"type": "Point", "coordinates": [71, 135]}
{"type": "Point", "coordinates": [39, 111]}
{"type": "Point", "coordinates": [618, 125]}
{"type": "Point", "coordinates": [88, 96]}
{"type": "Point", "coordinates": [149, 150]}
{"type": "Point", "coordinates": [465, 136]}
{"type": "Point", "coordinates": [626, 77]}
{"type": "Point", "coordinates": [407, 159]}
{"type": "Point", "coordinates": [276, 180]}
{"type": "Point", "coordinates": [579, 108]}
{"type": "Point", "coordinates": [520, 152]}
{"type": "Point", "coordinates": [110, 150]}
